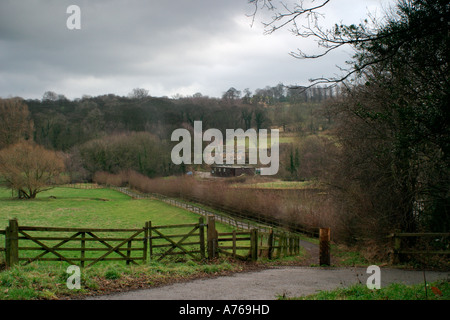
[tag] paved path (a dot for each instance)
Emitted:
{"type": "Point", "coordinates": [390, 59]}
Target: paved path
{"type": "Point", "coordinates": [271, 283]}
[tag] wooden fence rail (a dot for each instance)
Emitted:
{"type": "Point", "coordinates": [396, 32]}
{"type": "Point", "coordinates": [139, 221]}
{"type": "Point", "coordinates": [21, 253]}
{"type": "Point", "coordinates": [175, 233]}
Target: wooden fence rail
{"type": "Point", "coordinates": [274, 245]}
{"type": "Point", "coordinates": [230, 241]}
{"type": "Point", "coordinates": [163, 245]}
{"type": "Point", "coordinates": [240, 222]}
{"type": "Point", "coordinates": [38, 243]}
{"type": "Point", "coordinates": [88, 246]}
{"type": "Point", "coordinates": [253, 244]}
{"type": "Point", "coordinates": [400, 245]}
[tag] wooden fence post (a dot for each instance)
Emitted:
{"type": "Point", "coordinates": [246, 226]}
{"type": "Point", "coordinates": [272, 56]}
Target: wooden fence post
{"type": "Point", "coordinates": [83, 249]}
{"type": "Point", "coordinates": [146, 239]}
{"type": "Point", "coordinates": [7, 251]}
{"type": "Point", "coordinates": [284, 244]}
{"type": "Point", "coordinates": [150, 243]}
{"type": "Point", "coordinates": [254, 244]}
{"type": "Point", "coordinates": [234, 244]}
{"type": "Point", "coordinates": [291, 244]}
{"type": "Point", "coordinates": [12, 243]}
{"type": "Point", "coordinates": [397, 247]}
{"type": "Point", "coordinates": [212, 238]}
{"type": "Point", "coordinates": [201, 229]}
{"type": "Point", "coordinates": [324, 236]}
{"type": "Point", "coordinates": [129, 245]}
{"type": "Point", "coordinates": [294, 248]}
{"type": "Point", "coordinates": [280, 245]}
{"type": "Point", "coordinates": [270, 244]}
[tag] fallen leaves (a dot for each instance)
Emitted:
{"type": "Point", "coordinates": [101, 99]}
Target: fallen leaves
{"type": "Point", "coordinates": [436, 291]}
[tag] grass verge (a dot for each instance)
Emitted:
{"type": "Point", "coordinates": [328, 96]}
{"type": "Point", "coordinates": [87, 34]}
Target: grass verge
{"type": "Point", "coordinates": [39, 281]}
{"type": "Point", "coordinates": [439, 290]}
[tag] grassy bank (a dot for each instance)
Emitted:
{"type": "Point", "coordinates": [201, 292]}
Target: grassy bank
{"type": "Point", "coordinates": [439, 290]}
{"type": "Point", "coordinates": [39, 281]}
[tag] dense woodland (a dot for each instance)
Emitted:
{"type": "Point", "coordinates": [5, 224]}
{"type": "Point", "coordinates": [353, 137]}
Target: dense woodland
{"type": "Point", "coordinates": [61, 124]}
{"type": "Point", "coordinates": [111, 133]}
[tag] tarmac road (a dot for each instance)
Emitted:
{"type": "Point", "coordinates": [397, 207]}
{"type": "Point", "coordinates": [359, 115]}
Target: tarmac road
{"type": "Point", "coordinates": [270, 283]}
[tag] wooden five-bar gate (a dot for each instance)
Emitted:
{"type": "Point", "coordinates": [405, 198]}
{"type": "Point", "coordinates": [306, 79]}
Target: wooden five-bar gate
{"type": "Point", "coordinates": [190, 243]}
{"type": "Point", "coordinates": [88, 246]}
{"type": "Point", "coordinates": [76, 246]}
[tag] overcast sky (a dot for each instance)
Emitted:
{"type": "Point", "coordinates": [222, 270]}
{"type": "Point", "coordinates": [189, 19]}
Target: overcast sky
{"type": "Point", "coordinates": [167, 47]}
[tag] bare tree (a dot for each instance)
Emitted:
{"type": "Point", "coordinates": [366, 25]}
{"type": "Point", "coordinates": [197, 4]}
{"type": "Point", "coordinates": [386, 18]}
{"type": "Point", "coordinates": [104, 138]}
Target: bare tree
{"type": "Point", "coordinates": [138, 93]}
{"type": "Point", "coordinates": [29, 168]}
{"type": "Point", "coordinates": [303, 18]}
{"type": "Point", "coordinates": [231, 95]}
{"type": "Point", "coordinates": [50, 96]}
{"type": "Point", "coordinates": [247, 116]}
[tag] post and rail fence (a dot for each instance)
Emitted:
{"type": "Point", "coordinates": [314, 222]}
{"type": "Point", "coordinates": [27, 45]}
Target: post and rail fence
{"type": "Point", "coordinates": [249, 242]}
{"type": "Point", "coordinates": [199, 241]}
{"type": "Point", "coordinates": [26, 244]}
{"type": "Point", "coordinates": [234, 219]}
{"type": "Point", "coordinates": [439, 245]}
{"type": "Point", "coordinates": [88, 246]}
{"type": "Point", "coordinates": [164, 241]}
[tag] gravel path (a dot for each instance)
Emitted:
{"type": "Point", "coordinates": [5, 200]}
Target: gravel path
{"type": "Point", "coordinates": [271, 283]}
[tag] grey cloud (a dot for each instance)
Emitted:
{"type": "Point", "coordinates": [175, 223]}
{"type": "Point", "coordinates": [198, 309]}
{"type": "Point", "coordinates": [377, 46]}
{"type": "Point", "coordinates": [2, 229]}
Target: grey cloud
{"type": "Point", "coordinates": [165, 45]}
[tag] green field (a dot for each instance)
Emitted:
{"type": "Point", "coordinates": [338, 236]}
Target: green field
{"type": "Point", "coordinates": [93, 208]}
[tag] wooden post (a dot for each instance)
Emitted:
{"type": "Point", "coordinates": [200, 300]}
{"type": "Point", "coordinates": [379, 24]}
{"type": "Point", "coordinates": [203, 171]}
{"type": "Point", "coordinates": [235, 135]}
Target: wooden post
{"type": "Point", "coordinates": [324, 236]}
{"type": "Point", "coordinates": [12, 243]}
{"type": "Point", "coordinates": [234, 243]}
{"type": "Point", "coordinates": [287, 244]}
{"type": "Point", "coordinates": [7, 251]}
{"type": "Point", "coordinates": [145, 244]}
{"type": "Point", "coordinates": [284, 245]}
{"type": "Point", "coordinates": [212, 238]}
{"type": "Point", "coordinates": [150, 239]}
{"type": "Point", "coordinates": [270, 244]}
{"type": "Point", "coordinates": [83, 249]}
{"type": "Point", "coordinates": [254, 244]}
{"type": "Point", "coordinates": [129, 252]}
{"type": "Point", "coordinates": [291, 245]}
{"type": "Point", "coordinates": [201, 229]}
{"type": "Point", "coordinates": [397, 247]}
{"type": "Point", "coordinates": [279, 245]}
